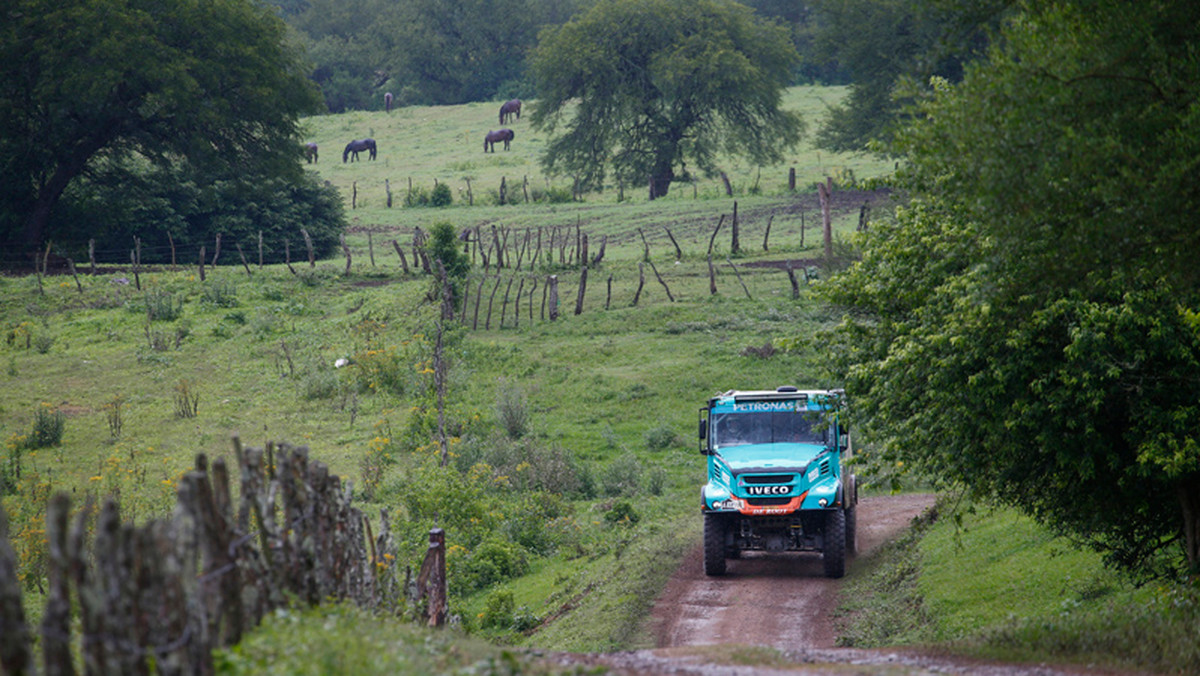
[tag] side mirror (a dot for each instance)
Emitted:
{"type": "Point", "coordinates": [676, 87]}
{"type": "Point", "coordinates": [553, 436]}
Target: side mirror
{"type": "Point", "coordinates": [703, 433]}
{"type": "Point", "coordinates": [703, 428]}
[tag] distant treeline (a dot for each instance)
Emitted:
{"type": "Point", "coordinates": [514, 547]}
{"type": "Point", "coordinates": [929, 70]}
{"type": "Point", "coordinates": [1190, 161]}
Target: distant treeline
{"type": "Point", "coordinates": [432, 52]}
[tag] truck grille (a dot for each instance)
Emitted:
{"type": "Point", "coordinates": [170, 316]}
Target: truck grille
{"type": "Point", "coordinates": [769, 478]}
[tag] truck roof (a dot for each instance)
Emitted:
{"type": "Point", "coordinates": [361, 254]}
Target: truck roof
{"type": "Point", "coordinates": [781, 393]}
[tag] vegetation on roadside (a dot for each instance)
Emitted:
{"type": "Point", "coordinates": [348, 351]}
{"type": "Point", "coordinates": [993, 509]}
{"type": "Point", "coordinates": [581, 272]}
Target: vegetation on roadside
{"type": "Point", "coordinates": [987, 582]}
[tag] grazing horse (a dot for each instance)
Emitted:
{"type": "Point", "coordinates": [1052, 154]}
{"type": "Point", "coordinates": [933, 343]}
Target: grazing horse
{"type": "Point", "coordinates": [353, 148]}
{"type": "Point", "coordinates": [494, 137]}
{"type": "Point", "coordinates": [509, 109]}
{"type": "Point", "coordinates": [387, 102]}
{"type": "Point", "coordinates": [310, 152]}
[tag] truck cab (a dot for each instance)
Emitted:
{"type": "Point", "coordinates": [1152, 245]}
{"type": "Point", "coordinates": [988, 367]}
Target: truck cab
{"type": "Point", "coordinates": [775, 479]}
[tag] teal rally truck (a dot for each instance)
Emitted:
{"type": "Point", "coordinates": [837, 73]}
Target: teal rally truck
{"type": "Point", "coordinates": [775, 476]}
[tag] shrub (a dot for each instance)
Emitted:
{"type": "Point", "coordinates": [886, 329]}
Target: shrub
{"type": "Point", "coordinates": [220, 293]}
{"type": "Point", "coordinates": [492, 561]}
{"type": "Point", "coordinates": [48, 425]}
{"type": "Point", "coordinates": [440, 196]}
{"type": "Point", "coordinates": [512, 409]}
{"type": "Point", "coordinates": [622, 476]}
{"type": "Point", "coordinates": [622, 513]}
{"type": "Point", "coordinates": [660, 438]}
{"type": "Point", "coordinates": [161, 306]}
{"type": "Point", "coordinates": [497, 609]}
{"type": "Point", "coordinates": [187, 400]}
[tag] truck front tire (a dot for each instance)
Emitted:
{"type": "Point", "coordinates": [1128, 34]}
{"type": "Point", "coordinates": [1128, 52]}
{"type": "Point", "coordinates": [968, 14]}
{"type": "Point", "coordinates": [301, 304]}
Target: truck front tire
{"type": "Point", "coordinates": [715, 526]}
{"type": "Point", "coordinates": [835, 543]}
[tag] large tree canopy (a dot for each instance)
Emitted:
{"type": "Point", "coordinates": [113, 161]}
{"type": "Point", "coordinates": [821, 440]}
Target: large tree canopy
{"type": "Point", "coordinates": [646, 86]}
{"type": "Point", "coordinates": [207, 82]}
{"type": "Point", "coordinates": [888, 46]}
{"type": "Point", "coordinates": [1028, 327]}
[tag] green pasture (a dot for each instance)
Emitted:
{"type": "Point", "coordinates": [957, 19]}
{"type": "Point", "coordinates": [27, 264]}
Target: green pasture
{"type": "Point", "coordinates": [424, 145]}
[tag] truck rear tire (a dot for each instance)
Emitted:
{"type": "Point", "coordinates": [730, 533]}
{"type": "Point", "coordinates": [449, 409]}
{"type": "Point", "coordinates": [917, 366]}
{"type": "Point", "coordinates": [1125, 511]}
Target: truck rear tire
{"type": "Point", "coordinates": [850, 501]}
{"type": "Point", "coordinates": [715, 526]}
{"type": "Point", "coordinates": [835, 543]}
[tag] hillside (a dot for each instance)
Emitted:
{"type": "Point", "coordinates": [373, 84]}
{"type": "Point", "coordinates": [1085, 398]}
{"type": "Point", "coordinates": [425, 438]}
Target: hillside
{"type": "Point", "coordinates": [571, 441]}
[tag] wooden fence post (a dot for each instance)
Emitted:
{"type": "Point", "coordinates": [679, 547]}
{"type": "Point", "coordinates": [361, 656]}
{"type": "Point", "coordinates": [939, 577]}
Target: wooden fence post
{"type": "Point", "coordinates": [824, 193]}
{"type": "Point", "coordinates": [792, 278]}
{"type": "Point", "coordinates": [662, 281]}
{"type": "Point", "coordinates": [582, 290]}
{"type": "Point", "coordinates": [16, 653]}
{"type": "Point", "coordinates": [56, 622]}
{"type": "Point", "coordinates": [641, 282]}
{"type": "Point", "coordinates": [552, 283]}
{"type": "Point", "coordinates": [431, 581]}
{"type": "Point", "coordinates": [739, 277]}
{"type": "Point", "coordinates": [735, 245]}
{"type": "Point", "coordinates": [312, 254]}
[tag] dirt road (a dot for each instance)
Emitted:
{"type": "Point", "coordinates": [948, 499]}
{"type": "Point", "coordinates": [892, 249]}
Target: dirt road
{"type": "Point", "coordinates": [783, 601]}
{"type": "Point", "coordinates": [779, 600]}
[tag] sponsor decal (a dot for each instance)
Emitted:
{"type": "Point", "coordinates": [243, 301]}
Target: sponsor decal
{"type": "Point", "coordinates": [768, 406]}
{"type": "Point", "coordinates": [768, 490]}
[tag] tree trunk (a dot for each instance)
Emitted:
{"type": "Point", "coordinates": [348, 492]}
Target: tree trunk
{"type": "Point", "coordinates": [1189, 502]}
{"type": "Point", "coordinates": [660, 181]}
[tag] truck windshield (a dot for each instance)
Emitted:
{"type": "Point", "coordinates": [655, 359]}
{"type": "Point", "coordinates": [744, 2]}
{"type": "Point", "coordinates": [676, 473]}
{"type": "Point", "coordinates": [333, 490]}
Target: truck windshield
{"type": "Point", "coordinates": [739, 429]}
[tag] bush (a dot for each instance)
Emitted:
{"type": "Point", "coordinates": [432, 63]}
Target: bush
{"type": "Point", "coordinates": [440, 196]}
{"type": "Point", "coordinates": [161, 306]}
{"type": "Point", "coordinates": [622, 513]}
{"type": "Point", "coordinates": [48, 425]}
{"type": "Point", "coordinates": [661, 438]}
{"type": "Point", "coordinates": [622, 476]}
{"type": "Point", "coordinates": [492, 561]}
{"type": "Point", "coordinates": [497, 609]}
{"type": "Point", "coordinates": [220, 293]}
{"type": "Point", "coordinates": [512, 409]}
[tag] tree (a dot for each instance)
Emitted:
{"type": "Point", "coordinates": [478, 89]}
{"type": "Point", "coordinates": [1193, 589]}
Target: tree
{"type": "Point", "coordinates": [1029, 326]}
{"type": "Point", "coordinates": [211, 84]}
{"type": "Point", "coordinates": [647, 86]}
{"type": "Point", "coordinates": [888, 46]}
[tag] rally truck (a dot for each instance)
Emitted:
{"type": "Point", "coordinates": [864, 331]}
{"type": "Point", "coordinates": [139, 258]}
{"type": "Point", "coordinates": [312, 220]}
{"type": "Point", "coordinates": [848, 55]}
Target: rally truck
{"type": "Point", "coordinates": [775, 476]}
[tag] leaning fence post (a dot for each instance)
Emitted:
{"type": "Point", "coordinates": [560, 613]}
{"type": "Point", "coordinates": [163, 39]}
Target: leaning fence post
{"type": "Point", "coordinates": [16, 656]}
{"type": "Point", "coordinates": [56, 623]}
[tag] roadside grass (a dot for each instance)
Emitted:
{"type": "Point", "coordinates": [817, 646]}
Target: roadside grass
{"type": "Point", "coordinates": [1002, 587]}
{"type": "Point", "coordinates": [339, 639]}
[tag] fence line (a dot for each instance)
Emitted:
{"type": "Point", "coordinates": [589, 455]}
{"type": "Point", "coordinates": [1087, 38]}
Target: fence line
{"type": "Point", "coordinates": [170, 591]}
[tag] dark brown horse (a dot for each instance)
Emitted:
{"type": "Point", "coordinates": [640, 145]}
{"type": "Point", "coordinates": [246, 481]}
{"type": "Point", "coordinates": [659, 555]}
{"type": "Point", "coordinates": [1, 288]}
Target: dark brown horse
{"type": "Point", "coordinates": [310, 152]}
{"type": "Point", "coordinates": [494, 137]}
{"type": "Point", "coordinates": [353, 148]}
{"type": "Point", "coordinates": [509, 109]}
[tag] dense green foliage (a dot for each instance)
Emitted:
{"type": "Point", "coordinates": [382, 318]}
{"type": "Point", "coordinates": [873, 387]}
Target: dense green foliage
{"type": "Point", "coordinates": [645, 88]}
{"type": "Point", "coordinates": [428, 52]}
{"type": "Point", "coordinates": [1028, 325]}
{"type": "Point", "coordinates": [97, 89]}
{"type": "Point", "coordinates": [890, 47]}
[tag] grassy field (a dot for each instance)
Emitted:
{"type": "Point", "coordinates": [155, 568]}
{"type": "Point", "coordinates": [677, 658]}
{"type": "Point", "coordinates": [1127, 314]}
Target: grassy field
{"type": "Point", "coordinates": [126, 384]}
